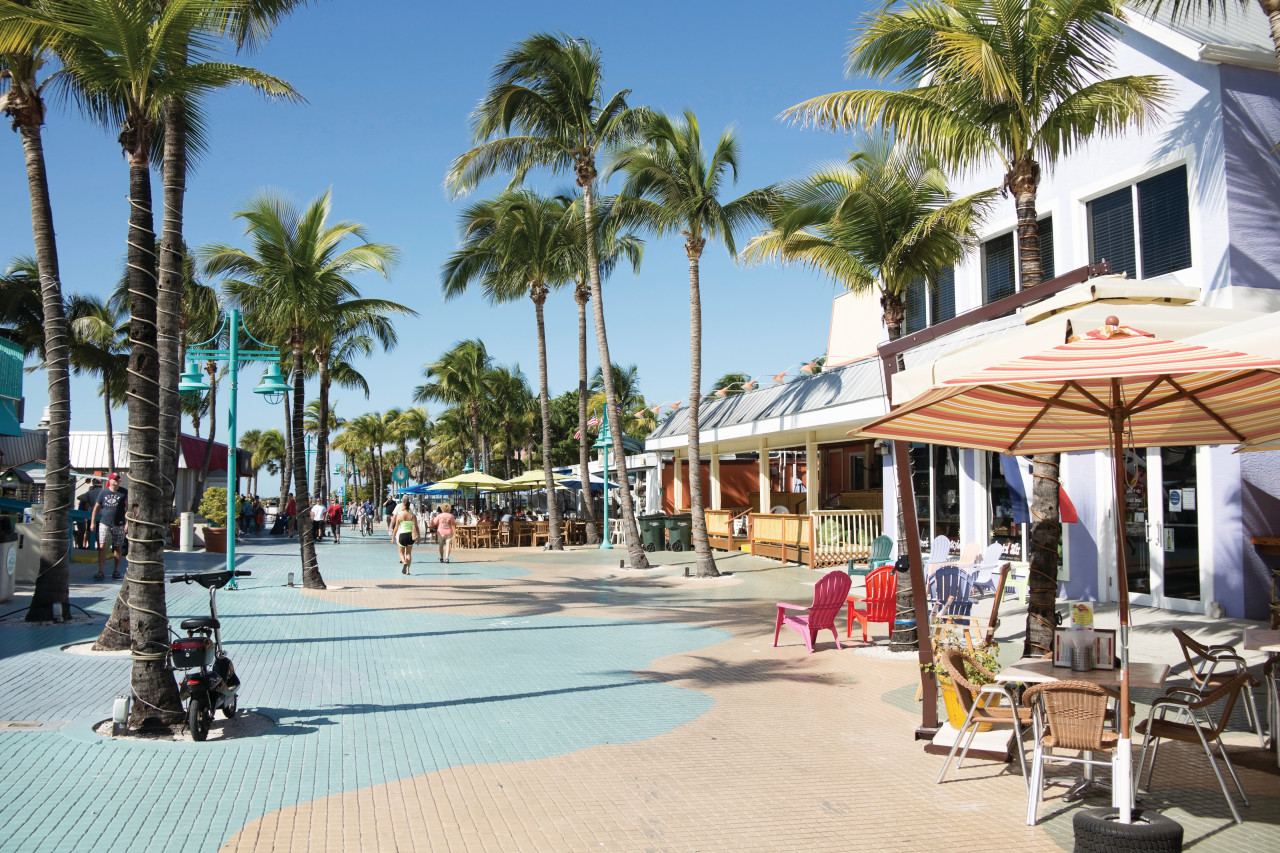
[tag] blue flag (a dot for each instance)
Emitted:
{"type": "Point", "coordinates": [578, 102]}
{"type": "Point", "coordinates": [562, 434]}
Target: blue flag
{"type": "Point", "coordinates": [1017, 491]}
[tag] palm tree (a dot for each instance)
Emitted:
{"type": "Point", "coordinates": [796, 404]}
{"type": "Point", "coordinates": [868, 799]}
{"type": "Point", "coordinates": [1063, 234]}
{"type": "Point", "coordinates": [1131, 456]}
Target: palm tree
{"type": "Point", "coordinates": [21, 311]}
{"type": "Point", "coordinates": [248, 21]}
{"type": "Point", "coordinates": [100, 346]}
{"type": "Point", "coordinates": [459, 377]}
{"type": "Point", "coordinates": [546, 107]}
{"type": "Point", "coordinates": [673, 188]}
{"type": "Point", "coordinates": [1018, 82]}
{"type": "Point", "coordinates": [249, 441]}
{"type": "Point", "coordinates": [290, 284]}
{"type": "Point", "coordinates": [23, 103]}
{"type": "Point", "coordinates": [520, 244]}
{"type": "Point", "coordinates": [124, 62]}
{"type": "Point", "coordinates": [511, 401]}
{"type": "Point", "coordinates": [271, 452]}
{"type": "Point", "coordinates": [727, 386]}
{"type": "Point", "coordinates": [415, 424]}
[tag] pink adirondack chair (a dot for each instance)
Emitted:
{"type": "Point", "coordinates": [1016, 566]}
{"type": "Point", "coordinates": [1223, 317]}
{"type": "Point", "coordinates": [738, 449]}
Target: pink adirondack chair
{"type": "Point", "coordinates": [828, 597]}
{"type": "Point", "coordinates": [881, 601]}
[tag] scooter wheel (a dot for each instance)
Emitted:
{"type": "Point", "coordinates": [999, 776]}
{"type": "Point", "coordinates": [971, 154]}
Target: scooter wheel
{"type": "Point", "coordinates": [229, 710]}
{"type": "Point", "coordinates": [199, 717]}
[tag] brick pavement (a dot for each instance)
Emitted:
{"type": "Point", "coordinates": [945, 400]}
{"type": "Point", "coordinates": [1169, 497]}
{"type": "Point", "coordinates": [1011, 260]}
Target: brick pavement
{"type": "Point", "coordinates": [526, 701]}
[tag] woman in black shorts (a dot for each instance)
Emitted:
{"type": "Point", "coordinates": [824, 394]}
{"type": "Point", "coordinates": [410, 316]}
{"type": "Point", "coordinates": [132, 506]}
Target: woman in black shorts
{"type": "Point", "coordinates": [404, 531]}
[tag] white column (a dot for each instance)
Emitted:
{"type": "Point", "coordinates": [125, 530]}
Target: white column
{"type": "Point", "coordinates": [764, 477]}
{"type": "Point", "coordinates": [677, 487]}
{"type": "Point", "coordinates": [813, 477]}
{"type": "Point", "coordinates": [715, 477]}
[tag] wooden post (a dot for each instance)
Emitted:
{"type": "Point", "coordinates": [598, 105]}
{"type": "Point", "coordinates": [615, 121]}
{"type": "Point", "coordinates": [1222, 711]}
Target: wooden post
{"type": "Point", "coordinates": [715, 478]}
{"type": "Point", "coordinates": [764, 477]}
{"type": "Point", "coordinates": [812, 476]}
{"type": "Point", "coordinates": [677, 487]}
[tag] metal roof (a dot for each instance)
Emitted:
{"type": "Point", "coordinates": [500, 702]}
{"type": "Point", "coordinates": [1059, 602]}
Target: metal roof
{"type": "Point", "coordinates": [849, 383]}
{"type": "Point", "coordinates": [21, 449]}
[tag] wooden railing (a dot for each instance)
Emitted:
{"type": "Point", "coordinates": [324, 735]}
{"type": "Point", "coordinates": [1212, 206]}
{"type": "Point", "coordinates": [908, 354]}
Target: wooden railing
{"type": "Point", "coordinates": [720, 527]}
{"type": "Point", "coordinates": [842, 535]}
{"type": "Point", "coordinates": [782, 537]}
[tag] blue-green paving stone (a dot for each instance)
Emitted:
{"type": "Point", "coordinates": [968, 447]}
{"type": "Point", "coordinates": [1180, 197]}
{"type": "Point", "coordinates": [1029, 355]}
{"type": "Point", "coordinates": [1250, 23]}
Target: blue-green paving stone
{"type": "Point", "coordinates": [361, 696]}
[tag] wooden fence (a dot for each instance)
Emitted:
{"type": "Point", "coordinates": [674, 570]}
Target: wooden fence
{"type": "Point", "coordinates": [782, 537]}
{"type": "Point", "coordinates": [843, 535]}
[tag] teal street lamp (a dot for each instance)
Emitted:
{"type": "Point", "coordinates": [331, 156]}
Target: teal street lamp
{"type": "Point", "coordinates": [272, 388]}
{"type": "Point", "coordinates": [603, 442]}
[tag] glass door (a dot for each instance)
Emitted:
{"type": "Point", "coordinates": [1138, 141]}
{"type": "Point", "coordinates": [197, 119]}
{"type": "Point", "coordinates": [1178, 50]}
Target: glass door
{"type": "Point", "coordinates": [1162, 528]}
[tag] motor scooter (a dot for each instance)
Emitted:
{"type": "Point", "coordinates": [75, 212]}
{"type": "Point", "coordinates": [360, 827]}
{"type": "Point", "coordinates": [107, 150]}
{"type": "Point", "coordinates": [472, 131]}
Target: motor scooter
{"type": "Point", "coordinates": [210, 681]}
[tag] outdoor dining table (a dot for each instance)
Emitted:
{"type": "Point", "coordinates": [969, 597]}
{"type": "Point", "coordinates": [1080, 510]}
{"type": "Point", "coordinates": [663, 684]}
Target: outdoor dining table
{"type": "Point", "coordinates": [1041, 670]}
{"type": "Point", "coordinates": [466, 534]}
{"type": "Point", "coordinates": [1263, 640]}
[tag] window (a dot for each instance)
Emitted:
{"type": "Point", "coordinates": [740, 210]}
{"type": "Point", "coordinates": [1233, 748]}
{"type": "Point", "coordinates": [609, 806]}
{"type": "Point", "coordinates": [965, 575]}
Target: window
{"type": "Point", "coordinates": [998, 268]}
{"type": "Point", "coordinates": [1045, 232]}
{"type": "Point", "coordinates": [1159, 241]}
{"type": "Point", "coordinates": [929, 306]}
{"type": "Point", "coordinates": [936, 482]}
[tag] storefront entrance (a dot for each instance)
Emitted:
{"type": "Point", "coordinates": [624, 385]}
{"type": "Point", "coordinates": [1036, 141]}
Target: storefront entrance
{"type": "Point", "coordinates": [1162, 528]}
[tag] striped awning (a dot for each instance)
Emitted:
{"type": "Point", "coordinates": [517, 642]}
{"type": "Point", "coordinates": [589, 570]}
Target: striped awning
{"type": "Point", "coordinates": [1063, 399]}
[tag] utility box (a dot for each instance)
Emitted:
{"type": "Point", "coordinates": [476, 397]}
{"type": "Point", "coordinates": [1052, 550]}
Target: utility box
{"type": "Point", "coordinates": [8, 561]}
{"type": "Point", "coordinates": [187, 532]}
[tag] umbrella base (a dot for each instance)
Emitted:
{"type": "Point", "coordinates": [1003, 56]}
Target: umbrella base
{"type": "Point", "coordinates": [1100, 831]}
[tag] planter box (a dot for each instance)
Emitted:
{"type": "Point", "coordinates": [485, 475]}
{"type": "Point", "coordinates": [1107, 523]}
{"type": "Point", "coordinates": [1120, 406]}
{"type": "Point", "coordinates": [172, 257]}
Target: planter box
{"type": "Point", "coordinates": [175, 536]}
{"type": "Point", "coordinates": [215, 540]}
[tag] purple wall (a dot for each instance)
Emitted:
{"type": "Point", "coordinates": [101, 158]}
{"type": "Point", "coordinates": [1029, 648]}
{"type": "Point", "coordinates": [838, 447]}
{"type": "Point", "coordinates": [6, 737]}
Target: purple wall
{"type": "Point", "coordinates": [1260, 508]}
{"type": "Point", "coordinates": [1251, 128]}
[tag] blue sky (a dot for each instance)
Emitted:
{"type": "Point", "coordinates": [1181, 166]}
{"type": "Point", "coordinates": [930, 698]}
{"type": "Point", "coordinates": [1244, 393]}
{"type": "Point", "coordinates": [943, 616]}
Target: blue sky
{"type": "Point", "coordinates": [390, 85]}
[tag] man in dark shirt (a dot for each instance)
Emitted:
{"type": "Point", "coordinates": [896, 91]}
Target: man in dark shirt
{"type": "Point", "coordinates": [388, 510]}
{"type": "Point", "coordinates": [109, 513]}
{"type": "Point", "coordinates": [85, 504]}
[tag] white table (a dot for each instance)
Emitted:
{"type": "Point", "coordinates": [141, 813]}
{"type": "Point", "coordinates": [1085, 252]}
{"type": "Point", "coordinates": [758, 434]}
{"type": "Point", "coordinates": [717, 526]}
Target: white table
{"type": "Point", "coordinates": [1040, 670]}
{"type": "Point", "coordinates": [1263, 640]}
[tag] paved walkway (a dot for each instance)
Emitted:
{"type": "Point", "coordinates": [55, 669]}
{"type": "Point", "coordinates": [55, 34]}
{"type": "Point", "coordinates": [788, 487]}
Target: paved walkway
{"type": "Point", "coordinates": [521, 700]}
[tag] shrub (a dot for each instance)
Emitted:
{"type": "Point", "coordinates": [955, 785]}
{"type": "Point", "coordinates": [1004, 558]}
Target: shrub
{"type": "Point", "coordinates": [213, 506]}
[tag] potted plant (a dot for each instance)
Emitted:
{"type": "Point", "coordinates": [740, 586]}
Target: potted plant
{"type": "Point", "coordinates": [213, 506]}
{"type": "Point", "coordinates": [984, 654]}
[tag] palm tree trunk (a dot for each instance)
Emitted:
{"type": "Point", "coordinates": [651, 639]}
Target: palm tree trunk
{"type": "Point", "coordinates": [539, 295]}
{"type": "Point", "coordinates": [901, 639]}
{"type": "Point", "coordinates": [701, 545]}
{"type": "Point", "coordinates": [52, 584]}
{"type": "Point", "coordinates": [1046, 527]}
{"type": "Point", "coordinates": [169, 313]}
{"type": "Point", "coordinates": [581, 295]}
{"type": "Point", "coordinates": [631, 533]}
{"type": "Point", "coordinates": [106, 407]}
{"type": "Point", "coordinates": [311, 578]}
{"type": "Point", "coordinates": [322, 429]}
{"type": "Point", "coordinates": [288, 445]}
{"type": "Point", "coordinates": [1271, 8]}
{"type": "Point", "coordinates": [154, 686]}
{"type": "Point", "coordinates": [197, 494]}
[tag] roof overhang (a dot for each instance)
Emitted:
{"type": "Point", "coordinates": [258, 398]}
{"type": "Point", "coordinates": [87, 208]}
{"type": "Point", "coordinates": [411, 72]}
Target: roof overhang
{"type": "Point", "coordinates": [823, 426]}
{"type": "Point", "coordinates": [1196, 49]}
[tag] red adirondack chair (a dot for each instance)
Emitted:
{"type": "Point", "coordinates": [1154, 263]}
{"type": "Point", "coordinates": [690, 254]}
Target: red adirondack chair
{"type": "Point", "coordinates": [828, 597]}
{"type": "Point", "coordinates": [881, 601]}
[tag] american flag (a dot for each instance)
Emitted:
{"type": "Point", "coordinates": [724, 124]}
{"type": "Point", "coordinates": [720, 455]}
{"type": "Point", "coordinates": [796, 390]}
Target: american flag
{"type": "Point", "coordinates": [594, 421]}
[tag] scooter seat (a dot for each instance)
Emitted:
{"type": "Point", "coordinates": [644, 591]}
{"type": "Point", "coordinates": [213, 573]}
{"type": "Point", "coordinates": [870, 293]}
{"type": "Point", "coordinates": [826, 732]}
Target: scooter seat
{"type": "Point", "coordinates": [197, 624]}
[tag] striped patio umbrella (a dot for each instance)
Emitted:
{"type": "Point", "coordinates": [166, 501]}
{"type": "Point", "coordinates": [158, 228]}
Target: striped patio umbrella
{"type": "Point", "coordinates": [1109, 388]}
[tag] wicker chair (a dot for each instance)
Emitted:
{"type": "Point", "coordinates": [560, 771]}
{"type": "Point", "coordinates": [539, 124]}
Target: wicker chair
{"type": "Point", "coordinates": [1211, 667]}
{"type": "Point", "coordinates": [1193, 706]}
{"type": "Point", "coordinates": [978, 703]}
{"type": "Point", "coordinates": [1069, 715]}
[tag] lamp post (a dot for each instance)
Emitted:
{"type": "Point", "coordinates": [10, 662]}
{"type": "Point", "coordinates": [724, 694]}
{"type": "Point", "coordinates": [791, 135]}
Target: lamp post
{"type": "Point", "coordinates": [272, 387]}
{"type": "Point", "coordinates": [602, 443]}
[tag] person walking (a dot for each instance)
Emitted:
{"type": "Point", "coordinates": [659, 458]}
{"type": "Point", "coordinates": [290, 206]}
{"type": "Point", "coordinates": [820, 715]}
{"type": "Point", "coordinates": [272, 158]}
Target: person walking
{"type": "Point", "coordinates": [290, 510]}
{"type": "Point", "coordinates": [443, 524]}
{"type": "Point", "coordinates": [404, 526]}
{"type": "Point", "coordinates": [388, 510]}
{"type": "Point", "coordinates": [318, 510]}
{"type": "Point", "coordinates": [110, 516]}
{"type": "Point", "coordinates": [335, 519]}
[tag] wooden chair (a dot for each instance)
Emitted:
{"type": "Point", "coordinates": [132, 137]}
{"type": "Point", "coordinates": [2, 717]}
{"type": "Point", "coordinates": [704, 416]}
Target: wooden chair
{"type": "Point", "coordinates": [541, 532]}
{"type": "Point", "coordinates": [1201, 728]}
{"type": "Point", "coordinates": [829, 595]}
{"type": "Point", "coordinates": [979, 705]}
{"type": "Point", "coordinates": [1212, 666]}
{"type": "Point", "coordinates": [1070, 715]}
{"type": "Point", "coordinates": [523, 532]}
{"type": "Point", "coordinates": [880, 599]}
{"type": "Point", "coordinates": [484, 535]}
{"type": "Point", "coordinates": [504, 533]}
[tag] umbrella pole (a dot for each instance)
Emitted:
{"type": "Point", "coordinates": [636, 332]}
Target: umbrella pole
{"type": "Point", "coordinates": [1122, 771]}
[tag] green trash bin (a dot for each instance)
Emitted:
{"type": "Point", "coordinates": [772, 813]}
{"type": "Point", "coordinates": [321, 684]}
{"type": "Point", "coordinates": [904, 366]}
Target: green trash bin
{"type": "Point", "coordinates": [651, 530]}
{"type": "Point", "coordinates": [680, 532]}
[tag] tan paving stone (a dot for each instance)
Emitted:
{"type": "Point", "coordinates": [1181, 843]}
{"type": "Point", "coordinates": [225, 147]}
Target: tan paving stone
{"type": "Point", "coordinates": [798, 752]}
